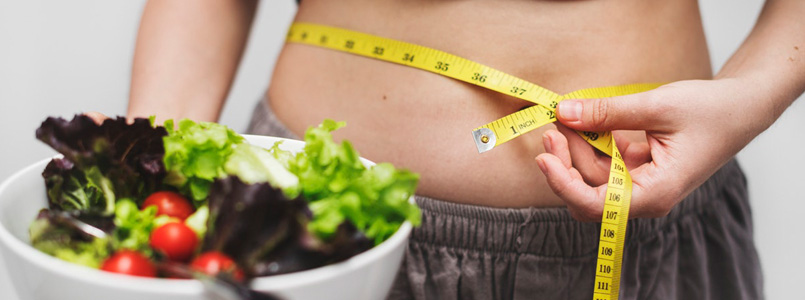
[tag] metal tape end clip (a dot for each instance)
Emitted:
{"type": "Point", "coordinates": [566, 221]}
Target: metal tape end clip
{"type": "Point", "coordinates": [484, 138]}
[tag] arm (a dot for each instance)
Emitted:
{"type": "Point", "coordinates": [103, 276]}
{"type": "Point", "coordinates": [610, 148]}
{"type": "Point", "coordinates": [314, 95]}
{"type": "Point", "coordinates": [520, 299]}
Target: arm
{"type": "Point", "coordinates": [773, 56]}
{"type": "Point", "coordinates": [186, 57]}
{"type": "Point", "coordinates": [692, 127]}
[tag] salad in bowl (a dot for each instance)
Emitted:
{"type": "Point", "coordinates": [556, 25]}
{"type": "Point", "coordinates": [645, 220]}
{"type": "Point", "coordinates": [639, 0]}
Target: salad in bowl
{"type": "Point", "coordinates": [136, 199]}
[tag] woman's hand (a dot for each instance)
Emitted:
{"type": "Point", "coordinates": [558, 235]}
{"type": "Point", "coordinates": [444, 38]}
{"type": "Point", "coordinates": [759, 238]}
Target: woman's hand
{"type": "Point", "coordinates": [96, 116]}
{"type": "Point", "coordinates": [692, 128]}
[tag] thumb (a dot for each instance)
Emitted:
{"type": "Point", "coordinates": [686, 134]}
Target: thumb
{"type": "Point", "coordinates": [630, 112]}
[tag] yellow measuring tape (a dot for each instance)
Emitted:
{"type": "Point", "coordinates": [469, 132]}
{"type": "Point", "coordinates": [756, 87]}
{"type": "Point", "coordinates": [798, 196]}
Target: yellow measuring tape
{"type": "Point", "coordinates": [619, 187]}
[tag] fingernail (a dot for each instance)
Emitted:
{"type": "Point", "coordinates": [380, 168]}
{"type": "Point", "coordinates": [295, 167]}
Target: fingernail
{"type": "Point", "coordinates": [570, 110]}
{"type": "Point", "coordinates": [547, 142]}
{"type": "Point", "coordinates": [541, 165]}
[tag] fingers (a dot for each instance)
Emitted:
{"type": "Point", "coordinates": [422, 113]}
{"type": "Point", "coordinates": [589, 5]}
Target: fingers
{"type": "Point", "coordinates": [96, 116]}
{"type": "Point", "coordinates": [654, 193]}
{"type": "Point", "coordinates": [651, 198]}
{"type": "Point", "coordinates": [582, 200]}
{"type": "Point", "coordinates": [593, 165]}
{"type": "Point", "coordinates": [677, 156]}
{"type": "Point", "coordinates": [635, 112]}
{"type": "Point", "coordinates": [556, 144]}
{"type": "Point", "coordinates": [634, 154]}
{"type": "Point", "coordinates": [570, 163]}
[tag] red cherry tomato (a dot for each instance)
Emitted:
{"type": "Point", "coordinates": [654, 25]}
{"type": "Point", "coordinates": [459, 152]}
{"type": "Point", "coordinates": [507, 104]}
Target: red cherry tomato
{"type": "Point", "coordinates": [213, 262]}
{"type": "Point", "coordinates": [170, 204]}
{"type": "Point", "coordinates": [175, 240]}
{"type": "Point", "coordinates": [131, 263]}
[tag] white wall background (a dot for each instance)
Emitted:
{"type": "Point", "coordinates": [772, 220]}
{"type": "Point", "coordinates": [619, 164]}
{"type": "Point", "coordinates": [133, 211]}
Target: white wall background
{"type": "Point", "coordinates": [64, 57]}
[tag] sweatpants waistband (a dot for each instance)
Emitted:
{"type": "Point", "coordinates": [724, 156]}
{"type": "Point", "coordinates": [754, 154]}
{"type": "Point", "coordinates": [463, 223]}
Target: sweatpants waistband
{"type": "Point", "coordinates": [552, 231]}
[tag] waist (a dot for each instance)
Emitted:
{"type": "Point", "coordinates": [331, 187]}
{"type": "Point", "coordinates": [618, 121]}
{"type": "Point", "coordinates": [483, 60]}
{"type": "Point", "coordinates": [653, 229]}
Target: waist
{"type": "Point", "coordinates": [423, 121]}
{"type": "Point", "coordinates": [427, 128]}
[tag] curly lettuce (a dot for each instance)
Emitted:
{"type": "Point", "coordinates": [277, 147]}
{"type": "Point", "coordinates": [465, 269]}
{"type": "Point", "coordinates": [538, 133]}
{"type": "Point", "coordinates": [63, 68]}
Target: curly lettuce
{"type": "Point", "coordinates": [195, 154]}
{"type": "Point", "coordinates": [272, 210]}
{"type": "Point", "coordinates": [133, 226]}
{"type": "Point", "coordinates": [340, 188]}
{"type": "Point", "coordinates": [198, 153]}
{"type": "Point", "coordinates": [54, 233]}
{"type": "Point", "coordinates": [253, 164]}
{"type": "Point", "coordinates": [101, 163]}
{"type": "Point", "coordinates": [265, 231]}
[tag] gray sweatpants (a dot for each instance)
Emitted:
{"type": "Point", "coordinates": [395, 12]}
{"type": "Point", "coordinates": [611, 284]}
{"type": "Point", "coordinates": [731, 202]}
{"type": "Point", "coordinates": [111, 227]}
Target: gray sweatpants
{"type": "Point", "coordinates": [703, 249]}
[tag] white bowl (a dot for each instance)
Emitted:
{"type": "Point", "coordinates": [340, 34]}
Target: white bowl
{"type": "Point", "coordinates": [36, 275]}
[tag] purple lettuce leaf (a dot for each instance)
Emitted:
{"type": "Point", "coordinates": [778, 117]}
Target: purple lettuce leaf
{"type": "Point", "coordinates": [101, 162]}
{"type": "Point", "coordinates": [266, 233]}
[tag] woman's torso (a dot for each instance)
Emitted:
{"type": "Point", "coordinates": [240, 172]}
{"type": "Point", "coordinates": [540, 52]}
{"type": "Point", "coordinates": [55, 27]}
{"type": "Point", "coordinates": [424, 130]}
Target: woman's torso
{"type": "Point", "coordinates": [423, 121]}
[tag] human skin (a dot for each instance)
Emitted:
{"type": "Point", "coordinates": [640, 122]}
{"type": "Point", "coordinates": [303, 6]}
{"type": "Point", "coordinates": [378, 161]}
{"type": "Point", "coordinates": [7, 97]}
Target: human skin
{"type": "Point", "coordinates": [185, 60]}
{"type": "Point", "coordinates": [692, 127]}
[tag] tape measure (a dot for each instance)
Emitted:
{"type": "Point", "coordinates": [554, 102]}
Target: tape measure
{"type": "Point", "coordinates": [491, 135]}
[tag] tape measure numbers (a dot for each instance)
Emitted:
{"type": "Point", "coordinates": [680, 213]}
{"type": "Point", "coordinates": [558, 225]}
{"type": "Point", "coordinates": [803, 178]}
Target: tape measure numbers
{"type": "Point", "coordinates": [487, 137]}
{"type": "Point", "coordinates": [509, 127]}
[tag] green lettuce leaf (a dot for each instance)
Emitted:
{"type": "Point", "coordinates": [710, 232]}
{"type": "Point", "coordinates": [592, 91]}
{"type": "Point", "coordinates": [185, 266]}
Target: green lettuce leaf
{"type": "Point", "coordinates": [70, 188]}
{"type": "Point", "coordinates": [340, 188]}
{"type": "Point", "coordinates": [254, 164]}
{"type": "Point", "coordinates": [198, 221]}
{"type": "Point", "coordinates": [198, 153]}
{"type": "Point", "coordinates": [195, 154]}
{"type": "Point", "coordinates": [265, 231]}
{"type": "Point", "coordinates": [134, 226]}
{"type": "Point", "coordinates": [53, 233]}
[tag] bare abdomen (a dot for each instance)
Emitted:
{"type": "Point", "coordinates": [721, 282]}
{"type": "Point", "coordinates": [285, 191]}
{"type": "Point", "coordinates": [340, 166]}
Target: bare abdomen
{"type": "Point", "coordinates": [422, 121]}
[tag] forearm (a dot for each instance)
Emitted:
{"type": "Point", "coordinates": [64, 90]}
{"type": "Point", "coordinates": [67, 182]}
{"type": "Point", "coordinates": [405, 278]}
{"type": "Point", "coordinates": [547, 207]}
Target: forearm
{"type": "Point", "coordinates": [772, 60]}
{"type": "Point", "coordinates": [693, 127]}
{"type": "Point", "coordinates": [186, 57]}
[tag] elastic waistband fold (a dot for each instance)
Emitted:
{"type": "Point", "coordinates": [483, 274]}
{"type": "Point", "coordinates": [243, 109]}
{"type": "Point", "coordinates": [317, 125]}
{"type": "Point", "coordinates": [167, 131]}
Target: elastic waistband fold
{"type": "Point", "coordinates": [552, 231]}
